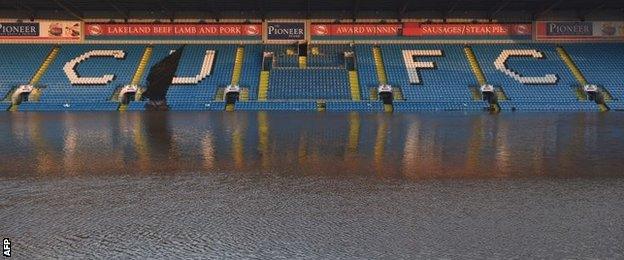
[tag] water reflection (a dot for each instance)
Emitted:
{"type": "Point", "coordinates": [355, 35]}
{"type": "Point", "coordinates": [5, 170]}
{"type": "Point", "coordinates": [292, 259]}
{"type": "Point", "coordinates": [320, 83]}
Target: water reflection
{"type": "Point", "coordinates": [411, 146]}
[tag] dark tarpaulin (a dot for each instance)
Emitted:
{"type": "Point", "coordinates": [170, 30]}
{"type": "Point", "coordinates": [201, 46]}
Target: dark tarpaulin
{"type": "Point", "coordinates": [161, 75]}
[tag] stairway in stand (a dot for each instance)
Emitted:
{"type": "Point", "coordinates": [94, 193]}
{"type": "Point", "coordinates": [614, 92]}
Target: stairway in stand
{"type": "Point", "coordinates": [138, 75]}
{"type": "Point", "coordinates": [578, 75]}
{"type": "Point", "coordinates": [474, 65]}
{"type": "Point", "coordinates": [379, 66]}
{"type": "Point", "coordinates": [147, 54]}
{"type": "Point", "coordinates": [36, 92]}
{"type": "Point", "coordinates": [303, 62]}
{"type": "Point", "coordinates": [263, 88]}
{"type": "Point", "coordinates": [238, 65]}
{"type": "Point", "coordinates": [481, 80]}
{"type": "Point", "coordinates": [355, 85]}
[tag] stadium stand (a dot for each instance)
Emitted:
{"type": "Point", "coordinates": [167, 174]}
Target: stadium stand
{"type": "Point", "coordinates": [516, 54]}
{"type": "Point", "coordinates": [429, 76]}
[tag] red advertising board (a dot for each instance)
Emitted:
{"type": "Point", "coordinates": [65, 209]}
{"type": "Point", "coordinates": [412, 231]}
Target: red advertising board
{"type": "Point", "coordinates": [142, 30]}
{"type": "Point", "coordinates": [486, 29]}
{"type": "Point", "coordinates": [356, 29]}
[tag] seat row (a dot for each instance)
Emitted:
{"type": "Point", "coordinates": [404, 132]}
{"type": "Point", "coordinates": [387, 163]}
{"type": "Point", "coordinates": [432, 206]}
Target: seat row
{"type": "Point", "coordinates": [91, 106]}
{"type": "Point", "coordinates": [440, 106]}
{"type": "Point", "coordinates": [549, 106]}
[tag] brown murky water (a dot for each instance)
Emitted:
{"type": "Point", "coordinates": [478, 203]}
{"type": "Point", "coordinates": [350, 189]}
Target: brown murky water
{"type": "Point", "coordinates": [310, 185]}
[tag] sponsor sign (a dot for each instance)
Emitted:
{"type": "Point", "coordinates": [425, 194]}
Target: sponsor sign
{"type": "Point", "coordinates": [355, 29]}
{"type": "Point", "coordinates": [93, 31]}
{"type": "Point", "coordinates": [41, 30]}
{"type": "Point", "coordinates": [285, 31]}
{"type": "Point", "coordinates": [569, 28]}
{"type": "Point", "coordinates": [485, 30]}
{"type": "Point", "coordinates": [19, 29]}
{"type": "Point", "coordinates": [579, 31]}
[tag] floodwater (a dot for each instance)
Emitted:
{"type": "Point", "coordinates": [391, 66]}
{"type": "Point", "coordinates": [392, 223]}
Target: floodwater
{"type": "Point", "coordinates": [312, 185]}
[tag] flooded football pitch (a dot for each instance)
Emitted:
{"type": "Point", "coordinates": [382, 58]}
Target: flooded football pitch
{"type": "Point", "coordinates": [312, 185]}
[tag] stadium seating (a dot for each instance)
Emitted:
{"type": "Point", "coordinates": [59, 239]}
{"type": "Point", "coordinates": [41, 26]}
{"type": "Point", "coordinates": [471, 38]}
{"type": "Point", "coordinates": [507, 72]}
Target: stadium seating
{"type": "Point", "coordinates": [327, 55]}
{"type": "Point", "coordinates": [284, 55]}
{"type": "Point", "coordinates": [80, 106]}
{"type": "Point", "coordinates": [536, 93]}
{"type": "Point", "coordinates": [18, 64]}
{"type": "Point", "coordinates": [311, 83]}
{"type": "Point", "coordinates": [4, 106]}
{"type": "Point", "coordinates": [451, 67]}
{"type": "Point", "coordinates": [550, 106]}
{"type": "Point", "coordinates": [195, 106]}
{"type": "Point", "coordinates": [442, 86]}
{"type": "Point", "coordinates": [366, 69]}
{"type": "Point", "coordinates": [270, 105]}
{"type": "Point", "coordinates": [431, 77]}
{"type": "Point", "coordinates": [252, 65]}
{"type": "Point", "coordinates": [618, 106]}
{"type": "Point", "coordinates": [136, 106]}
{"type": "Point", "coordinates": [182, 106]}
{"type": "Point", "coordinates": [345, 106]}
{"type": "Point", "coordinates": [198, 87]}
{"type": "Point", "coordinates": [440, 106]}
{"type": "Point", "coordinates": [601, 64]}
{"type": "Point", "coordinates": [117, 71]}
